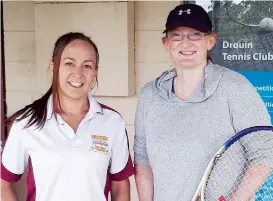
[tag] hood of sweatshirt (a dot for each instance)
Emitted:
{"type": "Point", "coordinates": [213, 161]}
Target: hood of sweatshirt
{"type": "Point", "coordinates": [206, 88]}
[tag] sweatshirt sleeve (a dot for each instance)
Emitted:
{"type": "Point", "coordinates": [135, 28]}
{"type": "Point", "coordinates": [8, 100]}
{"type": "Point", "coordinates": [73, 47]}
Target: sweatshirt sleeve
{"type": "Point", "coordinates": [247, 109]}
{"type": "Point", "coordinates": [140, 152]}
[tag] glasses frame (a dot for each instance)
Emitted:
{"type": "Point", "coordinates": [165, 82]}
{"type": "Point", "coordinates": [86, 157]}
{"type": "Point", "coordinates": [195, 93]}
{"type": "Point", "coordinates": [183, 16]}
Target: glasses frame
{"type": "Point", "coordinates": [188, 35]}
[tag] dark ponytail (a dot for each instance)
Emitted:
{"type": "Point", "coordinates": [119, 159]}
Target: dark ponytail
{"type": "Point", "coordinates": [37, 111]}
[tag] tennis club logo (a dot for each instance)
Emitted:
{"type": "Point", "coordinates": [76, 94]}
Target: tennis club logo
{"type": "Point", "coordinates": [99, 144]}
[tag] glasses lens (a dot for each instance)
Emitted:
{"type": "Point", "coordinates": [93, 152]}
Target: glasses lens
{"type": "Point", "coordinates": [195, 36]}
{"type": "Point", "coordinates": [175, 36]}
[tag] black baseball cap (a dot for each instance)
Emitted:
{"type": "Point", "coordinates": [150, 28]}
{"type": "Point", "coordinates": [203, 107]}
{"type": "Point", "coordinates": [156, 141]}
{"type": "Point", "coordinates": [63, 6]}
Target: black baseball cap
{"type": "Point", "coordinates": [189, 15]}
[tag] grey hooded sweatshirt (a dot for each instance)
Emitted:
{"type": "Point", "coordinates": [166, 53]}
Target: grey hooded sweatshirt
{"type": "Point", "coordinates": [178, 138]}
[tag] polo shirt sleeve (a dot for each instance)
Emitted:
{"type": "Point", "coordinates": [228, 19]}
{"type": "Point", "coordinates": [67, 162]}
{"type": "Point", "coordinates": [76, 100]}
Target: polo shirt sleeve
{"type": "Point", "coordinates": [121, 166]}
{"type": "Point", "coordinates": [14, 155]}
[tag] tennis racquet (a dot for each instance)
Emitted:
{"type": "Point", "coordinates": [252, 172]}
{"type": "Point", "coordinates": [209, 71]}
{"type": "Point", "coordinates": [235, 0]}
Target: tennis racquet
{"type": "Point", "coordinates": [241, 170]}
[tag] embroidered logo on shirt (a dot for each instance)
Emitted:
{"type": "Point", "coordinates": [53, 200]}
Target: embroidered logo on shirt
{"type": "Point", "coordinates": [100, 144]}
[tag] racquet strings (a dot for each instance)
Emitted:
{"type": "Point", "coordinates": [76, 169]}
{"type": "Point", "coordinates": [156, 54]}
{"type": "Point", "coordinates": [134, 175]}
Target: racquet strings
{"type": "Point", "coordinates": [251, 152]}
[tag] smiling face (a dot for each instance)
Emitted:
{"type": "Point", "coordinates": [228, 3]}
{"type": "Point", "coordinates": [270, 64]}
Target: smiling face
{"type": "Point", "coordinates": [189, 53]}
{"type": "Point", "coordinates": [77, 70]}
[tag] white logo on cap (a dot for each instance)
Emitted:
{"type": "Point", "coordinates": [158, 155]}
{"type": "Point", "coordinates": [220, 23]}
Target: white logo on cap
{"type": "Point", "coordinates": [188, 11]}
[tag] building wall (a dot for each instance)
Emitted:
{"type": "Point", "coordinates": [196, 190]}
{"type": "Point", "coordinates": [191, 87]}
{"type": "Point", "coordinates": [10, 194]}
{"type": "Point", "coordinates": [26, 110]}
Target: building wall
{"type": "Point", "coordinates": [23, 74]}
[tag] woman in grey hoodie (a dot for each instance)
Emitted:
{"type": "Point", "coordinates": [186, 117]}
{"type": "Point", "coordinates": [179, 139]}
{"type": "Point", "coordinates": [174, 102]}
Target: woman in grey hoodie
{"type": "Point", "coordinates": [189, 111]}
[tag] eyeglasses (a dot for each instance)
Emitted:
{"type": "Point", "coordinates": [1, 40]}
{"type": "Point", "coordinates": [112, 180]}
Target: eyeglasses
{"type": "Point", "coordinates": [194, 36]}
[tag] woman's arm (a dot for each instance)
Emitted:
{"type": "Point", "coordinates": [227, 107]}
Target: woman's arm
{"type": "Point", "coordinates": [247, 109]}
{"type": "Point", "coordinates": [251, 183]}
{"type": "Point", "coordinates": [120, 190]}
{"type": "Point", "coordinates": [144, 182]}
{"type": "Point", "coordinates": [7, 193]}
{"type": "Point", "coordinates": [14, 160]}
{"type": "Point", "coordinates": [144, 174]}
{"type": "Point", "coordinates": [246, 106]}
